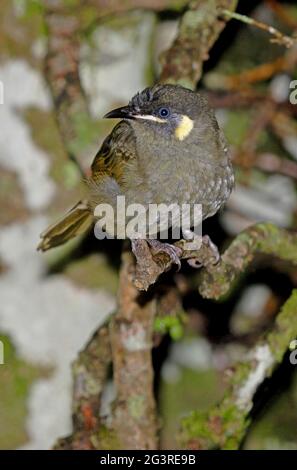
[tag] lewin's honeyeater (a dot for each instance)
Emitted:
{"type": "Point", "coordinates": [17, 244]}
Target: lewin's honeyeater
{"type": "Point", "coordinates": [167, 148]}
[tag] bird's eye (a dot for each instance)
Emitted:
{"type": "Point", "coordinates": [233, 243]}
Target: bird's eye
{"type": "Point", "coordinates": [164, 112]}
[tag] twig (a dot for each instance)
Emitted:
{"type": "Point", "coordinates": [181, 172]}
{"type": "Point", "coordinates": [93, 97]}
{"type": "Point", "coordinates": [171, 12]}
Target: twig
{"type": "Point", "coordinates": [226, 424]}
{"type": "Point", "coordinates": [278, 38]}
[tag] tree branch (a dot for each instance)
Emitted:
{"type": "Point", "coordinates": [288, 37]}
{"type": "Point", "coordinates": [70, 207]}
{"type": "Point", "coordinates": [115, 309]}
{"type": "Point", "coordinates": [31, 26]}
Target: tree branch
{"type": "Point", "coordinates": [218, 278]}
{"type": "Point", "coordinates": [128, 341]}
{"type": "Point", "coordinates": [89, 371]}
{"type": "Point", "coordinates": [226, 424]}
{"type": "Point", "coordinates": [263, 238]}
{"type": "Point", "coordinates": [131, 331]}
{"type": "Point", "coordinates": [62, 74]}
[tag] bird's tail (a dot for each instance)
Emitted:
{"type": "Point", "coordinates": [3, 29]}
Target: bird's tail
{"type": "Point", "coordinates": [76, 222]}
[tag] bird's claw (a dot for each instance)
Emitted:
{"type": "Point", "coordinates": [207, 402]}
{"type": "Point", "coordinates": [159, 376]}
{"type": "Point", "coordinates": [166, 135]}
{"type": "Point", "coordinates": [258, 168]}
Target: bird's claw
{"type": "Point", "coordinates": [206, 240]}
{"type": "Point", "coordinates": [173, 252]}
{"type": "Point", "coordinates": [209, 260]}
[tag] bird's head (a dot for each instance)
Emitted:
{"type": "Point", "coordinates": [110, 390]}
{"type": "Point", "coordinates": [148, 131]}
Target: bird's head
{"type": "Point", "coordinates": [171, 111]}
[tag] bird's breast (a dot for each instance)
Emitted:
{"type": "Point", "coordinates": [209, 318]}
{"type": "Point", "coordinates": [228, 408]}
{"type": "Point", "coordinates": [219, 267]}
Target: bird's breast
{"type": "Point", "coordinates": [168, 175]}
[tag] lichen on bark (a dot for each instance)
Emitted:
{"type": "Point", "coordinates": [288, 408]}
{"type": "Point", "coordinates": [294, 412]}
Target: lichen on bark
{"type": "Point", "coordinates": [226, 424]}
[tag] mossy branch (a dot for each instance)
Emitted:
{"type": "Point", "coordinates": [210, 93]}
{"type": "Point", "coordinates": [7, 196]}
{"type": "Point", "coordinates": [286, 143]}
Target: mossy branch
{"type": "Point", "coordinates": [62, 74]}
{"type": "Point", "coordinates": [217, 279]}
{"type": "Point", "coordinates": [90, 372]}
{"type": "Point", "coordinates": [263, 238]}
{"type": "Point", "coordinates": [225, 425]}
{"type": "Point", "coordinates": [131, 331]}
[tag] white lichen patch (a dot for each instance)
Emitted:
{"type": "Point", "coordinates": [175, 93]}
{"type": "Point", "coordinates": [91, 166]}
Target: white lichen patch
{"type": "Point", "coordinates": [23, 87]}
{"type": "Point", "coordinates": [264, 361]}
{"type": "Point", "coordinates": [134, 338]}
{"type": "Point", "coordinates": [49, 320]}
{"type": "Point", "coordinates": [116, 66]}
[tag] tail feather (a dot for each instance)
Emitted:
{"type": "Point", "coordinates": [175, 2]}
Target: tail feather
{"type": "Point", "coordinates": [77, 221]}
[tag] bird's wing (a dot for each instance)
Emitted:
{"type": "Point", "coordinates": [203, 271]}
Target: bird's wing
{"type": "Point", "coordinates": [108, 168]}
{"type": "Point", "coordinates": [117, 151]}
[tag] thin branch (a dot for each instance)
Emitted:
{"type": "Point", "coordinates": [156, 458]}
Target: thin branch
{"type": "Point", "coordinates": [278, 37]}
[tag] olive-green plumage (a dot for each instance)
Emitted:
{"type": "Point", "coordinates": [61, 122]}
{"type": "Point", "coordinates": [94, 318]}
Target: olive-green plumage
{"type": "Point", "coordinates": [167, 148]}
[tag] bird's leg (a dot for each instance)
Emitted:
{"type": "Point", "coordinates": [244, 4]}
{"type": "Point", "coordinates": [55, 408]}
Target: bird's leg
{"type": "Point", "coordinates": [152, 259]}
{"type": "Point", "coordinates": [158, 249]}
{"type": "Point", "coordinates": [205, 240]}
{"type": "Point", "coordinates": [139, 249]}
{"type": "Point", "coordinates": [196, 243]}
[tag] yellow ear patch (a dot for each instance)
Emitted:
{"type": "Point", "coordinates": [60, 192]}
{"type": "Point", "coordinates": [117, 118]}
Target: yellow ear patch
{"type": "Point", "coordinates": [184, 128]}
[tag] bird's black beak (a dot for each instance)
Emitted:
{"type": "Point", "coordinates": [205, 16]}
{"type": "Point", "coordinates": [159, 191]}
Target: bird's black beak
{"type": "Point", "coordinates": [120, 113]}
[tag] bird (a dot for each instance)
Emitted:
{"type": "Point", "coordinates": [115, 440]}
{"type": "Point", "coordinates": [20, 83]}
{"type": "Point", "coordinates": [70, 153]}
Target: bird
{"type": "Point", "coordinates": [167, 148]}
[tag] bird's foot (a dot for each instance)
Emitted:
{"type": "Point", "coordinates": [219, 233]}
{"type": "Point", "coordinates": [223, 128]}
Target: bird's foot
{"type": "Point", "coordinates": [216, 257]}
{"type": "Point", "coordinates": [161, 250]}
{"type": "Point", "coordinates": [152, 259]}
{"type": "Point", "coordinates": [211, 256]}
